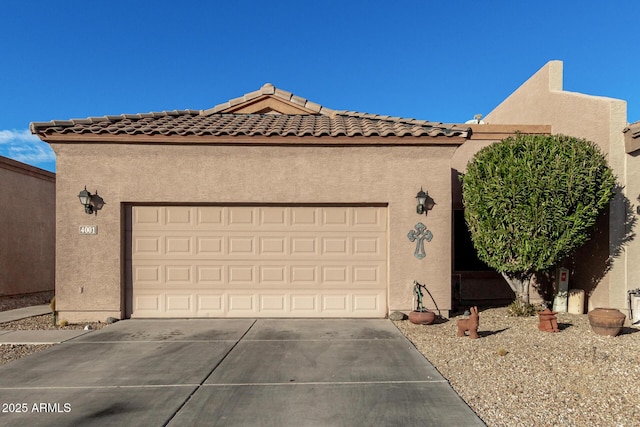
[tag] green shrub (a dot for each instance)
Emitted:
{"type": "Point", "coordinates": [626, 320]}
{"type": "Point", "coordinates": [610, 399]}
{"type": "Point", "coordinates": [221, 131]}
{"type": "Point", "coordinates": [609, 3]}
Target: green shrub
{"type": "Point", "coordinates": [530, 200]}
{"type": "Point", "coordinates": [519, 309]}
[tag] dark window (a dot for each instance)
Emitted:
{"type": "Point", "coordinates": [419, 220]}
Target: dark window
{"type": "Point", "coordinates": [465, 257]}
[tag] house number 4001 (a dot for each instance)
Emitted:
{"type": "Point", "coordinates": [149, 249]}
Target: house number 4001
{"type": "Point", "coordinates": [88, 229]}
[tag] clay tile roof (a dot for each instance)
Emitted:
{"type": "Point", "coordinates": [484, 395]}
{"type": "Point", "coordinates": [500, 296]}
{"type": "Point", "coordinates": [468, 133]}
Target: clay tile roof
{"type": "Point", "coordinates": [196, 124]}
{"type": "Point", "coordinates": [320, 122]}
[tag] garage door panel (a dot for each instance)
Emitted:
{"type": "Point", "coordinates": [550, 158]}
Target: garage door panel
{"type": "Point", "coordinates": [267, 218]}
{"type": "Point", "coordinates": [210, 275]}
{"type": "Point", "coordinates": [241, 246]}
{"type": "Point", "coordinates": [369, 219]}
{"type": "Point", "coordinates": [274, 216]}
{"type": "Point", "coordinates": [335, 246]}
{"type": "Point", "coordinates": [147, 245]}
{"type": "Point", "coordinates": [174, 303]}
{"type": "Point", "coordinates": [210, 304]}
{"type": "Point", "coordinates": [179, 303]}
{"type": "Point", "coordinates": [241, 216]}
{"type": "Point", "coordinates": [304, 217]}
{"type": "Point", "coordinates": [179, 246]}
{"type": "Point", "coordinates": [210, 216]}
{"type": "Point", "coordinates": [147, 274]}
{"type": "Point", "coordinates": [273, 246]}
{"type": "Point", "coordinates": [366, 246]}
{"type": "Point", "coordinates": [149, 217]}
{"type": "Point", "coordinates": [241, 275]}
{"type": "Point", "coordinates": [336, 304]}
{"type": "Point", "coordinates": [334, 274]}
{"type": "Point", "coordinates": [303, 246]}
{"type": "Point", "coordinates": [367, 275]}
{"type": "Point", "coordinates": [304, 275]}
{"type": "Point", "coordinates": [242, 304]}
{"type": "Point", "coordinates": [209, 246]}
{"type": "Point", "coordinates": [150, 303]}
{"type": "Point", "coordinates": [274, 273]}
{"type": "Point", "coordinates": [179, 274]}
{"type": "Point", "coordinates": [305, 304]}
{"type": "Point", "coordinates": [241, 261]}
{"type": "Point", "coordinates": [333, 217]}
{"type": "Point", "coordinates": [178, 216]}
{"type": "Point", "coordinates": [366, 302]}
{"type": "Point", "coordinates": [275, 303]}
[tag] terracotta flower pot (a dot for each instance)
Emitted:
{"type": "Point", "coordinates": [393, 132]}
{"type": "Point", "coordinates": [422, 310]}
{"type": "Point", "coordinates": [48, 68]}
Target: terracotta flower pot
{"type": "Point", "coordinates": [606, 321]}
{"type": "Point", "coordinates": [422, 317]}
{"type": "Point", "coordinates": [548, 321]}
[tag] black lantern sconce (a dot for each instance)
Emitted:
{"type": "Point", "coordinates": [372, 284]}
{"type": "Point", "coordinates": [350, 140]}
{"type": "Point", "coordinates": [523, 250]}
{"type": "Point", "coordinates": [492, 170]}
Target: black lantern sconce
{"type": "Point", "coordinates": [92, 202]}
{"type": "Point", "coordinates": [425, 202]}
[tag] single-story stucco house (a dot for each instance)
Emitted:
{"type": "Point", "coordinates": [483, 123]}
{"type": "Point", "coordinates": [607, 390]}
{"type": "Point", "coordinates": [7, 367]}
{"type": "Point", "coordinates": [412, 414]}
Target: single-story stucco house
{"type": "Point", "coordinates": [270, 205]}
{"type": "Point", "coordinates": [27, 228]}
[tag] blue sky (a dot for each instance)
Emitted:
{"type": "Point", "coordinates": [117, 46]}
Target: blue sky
{"type": "Point", "coordinates": [435, 60]}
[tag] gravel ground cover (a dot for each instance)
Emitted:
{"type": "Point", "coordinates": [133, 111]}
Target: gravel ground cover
{"type": "Point", "coordinates": [10, 352]}
{"type": "Point", "coordinates": [19, 301]}
{"type": "Point", "coordinates": [516, 375]}
{"type": "Point", "coordinates": [513, 375]}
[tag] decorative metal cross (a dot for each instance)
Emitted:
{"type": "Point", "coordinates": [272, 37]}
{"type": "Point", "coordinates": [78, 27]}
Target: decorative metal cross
{"type": "Point", "coordinates": [419, 234]}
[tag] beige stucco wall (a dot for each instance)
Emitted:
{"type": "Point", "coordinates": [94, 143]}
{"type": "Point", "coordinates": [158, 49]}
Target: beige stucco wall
{"type": "Point", "coordinates": [90, 268]}
{"type": "Point", "coordinates": [542, 100]}
{"type": "Point", "coordinates": [27, 228]}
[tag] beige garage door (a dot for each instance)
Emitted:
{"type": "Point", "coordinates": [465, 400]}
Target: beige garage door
{"type": "Point", "coordinates": [249, 261]}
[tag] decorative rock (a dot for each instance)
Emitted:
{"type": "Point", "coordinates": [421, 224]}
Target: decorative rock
{"type": "Point", "coordinates": [111, 320]}
{"type": "Point", "coordinates": [397, 315]}
{"type": "Point", "coordinates": [88, 328]}
{"type": "Point", "coordinates": [606, 321]}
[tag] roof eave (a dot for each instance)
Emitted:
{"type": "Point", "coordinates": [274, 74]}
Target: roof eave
{"type": "Point", "coordinates": [259, 140]}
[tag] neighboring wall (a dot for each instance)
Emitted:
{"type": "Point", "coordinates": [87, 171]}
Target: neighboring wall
{"type": "Point", "coordinates": [27, 228]}
{"type": "Point", "coordinates": [541, 100]}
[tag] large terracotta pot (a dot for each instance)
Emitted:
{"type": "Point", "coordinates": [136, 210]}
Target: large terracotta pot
{"type": "Point", "coordinates": [606, 321]}
{"type": "Point", "coordinates": [422, 317]}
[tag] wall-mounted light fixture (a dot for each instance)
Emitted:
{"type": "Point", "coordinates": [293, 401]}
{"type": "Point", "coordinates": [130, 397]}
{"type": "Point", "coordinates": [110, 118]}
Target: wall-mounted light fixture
{"type": "Point", "coordinates": [91, 202]}
{"type": "Point", "coordinates": [425, 202]}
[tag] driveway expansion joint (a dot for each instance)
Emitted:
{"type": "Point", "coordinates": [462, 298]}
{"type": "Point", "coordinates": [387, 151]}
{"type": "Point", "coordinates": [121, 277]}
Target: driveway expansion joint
{"type": "Point", "coordinates": [316, 383]}
{"type": "Point", "coordinates": [209, 374]}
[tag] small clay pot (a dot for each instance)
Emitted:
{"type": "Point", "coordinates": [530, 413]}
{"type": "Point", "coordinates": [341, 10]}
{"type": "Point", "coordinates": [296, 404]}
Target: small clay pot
{"type": "Point", "coordinates": [606, 321]}
{"type": "Point", "coordinates": [422, 317]}
{"type": "Point", "coordinates": [548, 321]}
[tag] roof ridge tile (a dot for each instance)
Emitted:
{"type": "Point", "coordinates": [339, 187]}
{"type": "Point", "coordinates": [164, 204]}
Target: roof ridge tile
{"type": "Point", "coordinates": [267, 89]}
{"type": "Point", "coordinates": [283, 94]}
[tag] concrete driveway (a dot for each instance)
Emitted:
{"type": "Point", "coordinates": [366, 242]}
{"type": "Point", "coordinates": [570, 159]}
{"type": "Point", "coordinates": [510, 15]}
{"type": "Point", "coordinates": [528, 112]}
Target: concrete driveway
{"type": "Point", "coordinates": [232, 372]}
